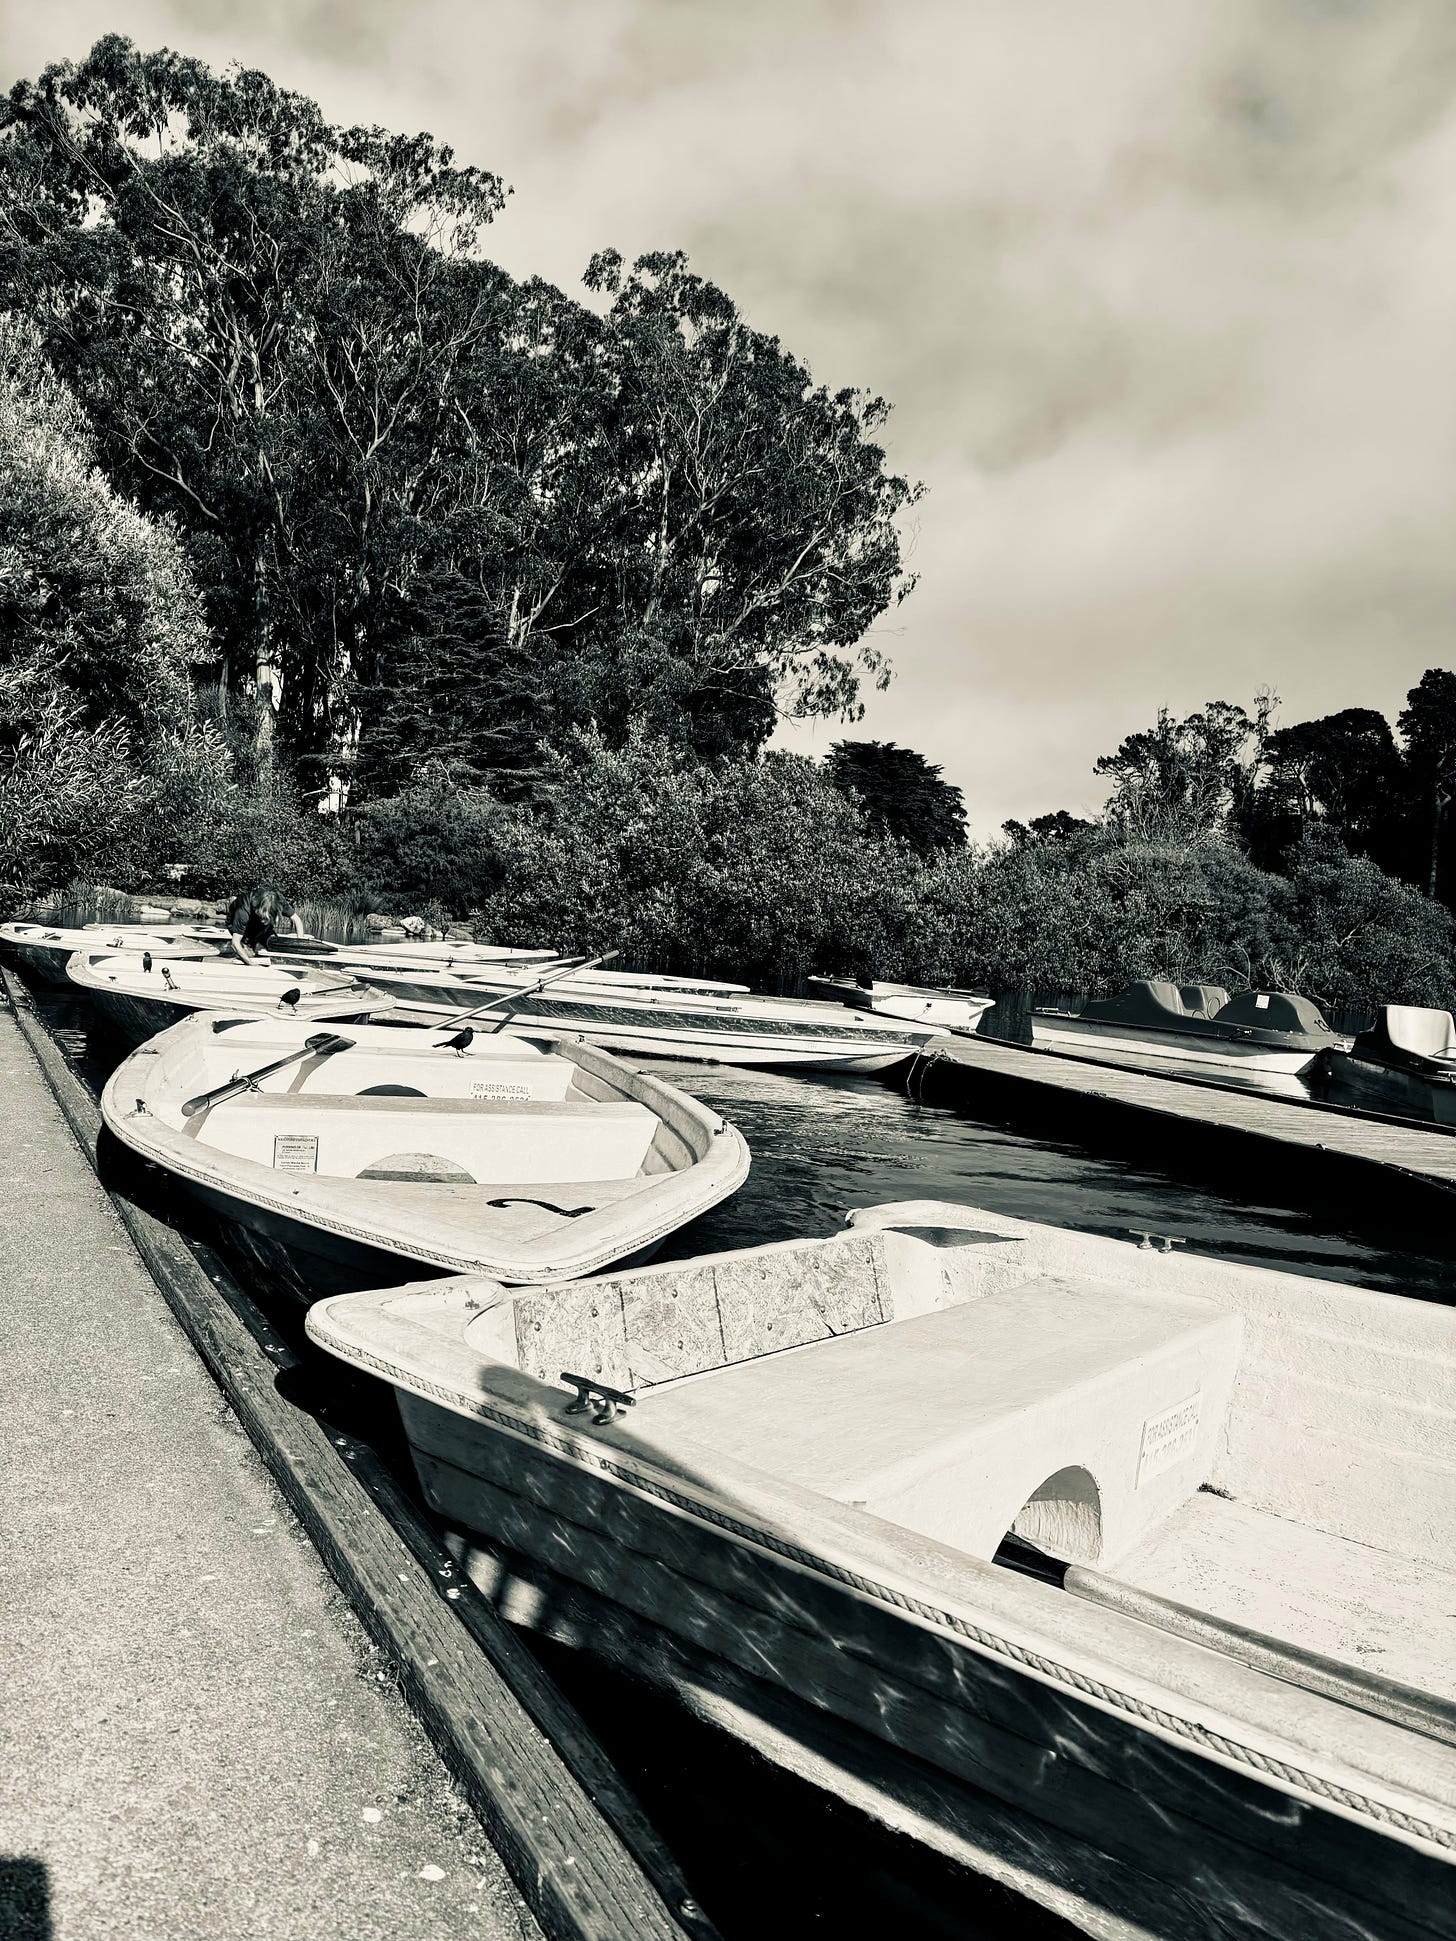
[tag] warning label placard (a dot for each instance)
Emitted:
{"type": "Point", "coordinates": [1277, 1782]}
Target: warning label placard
{"type": "Point", "coordinates": [295, 1152]}
{"type": "Point", "coordinates": [1168, 1437]}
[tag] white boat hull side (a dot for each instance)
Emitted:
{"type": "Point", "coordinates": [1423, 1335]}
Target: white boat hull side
{"type": "Point", "coordinates": [1092, 1036]}
{"type": "Point", "coordinates": [704, 1039]}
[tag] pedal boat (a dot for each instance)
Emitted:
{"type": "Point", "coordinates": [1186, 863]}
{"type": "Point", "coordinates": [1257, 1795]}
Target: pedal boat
{"type": "Point", "coordinates": [1194, 1024]}
{"type": "Point", "coordinates": [947, 1009]}
{"type": "Point", "coordinates": [44, 949]}
{"type": "Point", "coordinates": [1212, 1697]}
{"type": "Point", "coordinates": [400, 1153]}
{"type": "Point", "coordinates": [1404, 1065]}
{"type": "Point", "coordinates": [139, 993]}
{"type": "Point", "coordinates": [663, 1017]}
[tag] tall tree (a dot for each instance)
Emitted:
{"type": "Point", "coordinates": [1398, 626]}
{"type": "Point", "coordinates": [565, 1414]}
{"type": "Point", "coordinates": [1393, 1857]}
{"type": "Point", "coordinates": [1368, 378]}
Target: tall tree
{"type": "Point", "coordinates": [754, 515]}
{"type": "Point", "coordinates": [900, 793]}
{"type": "Point", "coordinates": [1428, 723]}
{"type": "Point", "coordinates": [245, 299]}
{"type": "Point", "coordinates": [1190, 780]}
{"type": "Point", "coordinates": [1343, 771]}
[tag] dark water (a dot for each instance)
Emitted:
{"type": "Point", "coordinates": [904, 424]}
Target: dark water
{"type": "Point", "coordinates": [826, 1144]}
{"type": "Point", "coordinates": [767, 1855]}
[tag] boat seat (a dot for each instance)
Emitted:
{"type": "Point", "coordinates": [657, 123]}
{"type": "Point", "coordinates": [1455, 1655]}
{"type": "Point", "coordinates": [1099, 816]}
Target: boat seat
{"type": "Point", "coordinates": [1077, 1412]}
{"type": "Point", "coordinates": [1429, 1034]}
{"type": "Point", "coordinates": [498, 1141]}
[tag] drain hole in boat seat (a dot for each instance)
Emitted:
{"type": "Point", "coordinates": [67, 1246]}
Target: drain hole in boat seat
{"type": "Point", "coordinates": [392, 1092]}
{"type": "Point", "coordinates": [1064, 1517]}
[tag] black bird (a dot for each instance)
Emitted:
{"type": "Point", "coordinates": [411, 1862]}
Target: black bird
{"type": "Point", "coordinates": [291, 997]}
{"type": "Point", "coordinates": [146, 960]}
{"type": "Point", "coordinates": [460, 1043]}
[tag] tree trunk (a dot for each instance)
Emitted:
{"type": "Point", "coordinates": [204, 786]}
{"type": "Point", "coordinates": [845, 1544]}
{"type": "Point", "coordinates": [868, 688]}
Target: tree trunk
{"type": "Point", "coordinates": [1437, 809]}
{"type": "Point", "coordinates": [267, 673]}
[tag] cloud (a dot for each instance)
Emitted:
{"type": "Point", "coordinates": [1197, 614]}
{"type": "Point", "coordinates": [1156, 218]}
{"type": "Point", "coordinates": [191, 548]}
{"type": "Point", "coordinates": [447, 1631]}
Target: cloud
{"type": "Point", "coordinates": [1160, 292]}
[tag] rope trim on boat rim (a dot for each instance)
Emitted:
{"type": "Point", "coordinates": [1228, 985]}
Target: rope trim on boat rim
{"type": "Point", "coordinates": [1050, 1668]}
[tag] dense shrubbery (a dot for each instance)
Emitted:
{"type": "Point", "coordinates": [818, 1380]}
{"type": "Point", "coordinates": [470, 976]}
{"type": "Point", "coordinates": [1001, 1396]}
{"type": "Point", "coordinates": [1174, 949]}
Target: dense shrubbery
{"type": "Point", "coordinates": [763, 869]}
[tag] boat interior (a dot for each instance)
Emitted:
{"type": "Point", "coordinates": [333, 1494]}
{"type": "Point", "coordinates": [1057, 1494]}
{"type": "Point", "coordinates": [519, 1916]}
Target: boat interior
{"type": "Point", "coordinates": [404, 1106]}
{"type": "Point", "coordinates": [1270, 1452]}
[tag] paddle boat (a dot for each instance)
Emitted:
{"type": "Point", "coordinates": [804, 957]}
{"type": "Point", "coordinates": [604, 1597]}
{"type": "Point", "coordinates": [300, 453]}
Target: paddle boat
{"type": "Point", "coordinates": [1213, 1692]}
{"type": "Point", "coordinates": [139, 993]}
{"type": "Point", "coordinates": [659, 1016]}
{"type": "Point", "coordinates": [1405, 1065]}
{"type": "Point", "coordinates": [1194, 1024]}
{"type": "Point", "coordinates": [351, 1155]}
{"type": "Point", "coordinates": [43, 949]}
{"type": "Point", "coordinates": [947, 1010]}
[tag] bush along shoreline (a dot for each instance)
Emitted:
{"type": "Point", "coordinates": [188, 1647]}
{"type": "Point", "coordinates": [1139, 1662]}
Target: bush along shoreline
{"type": "Point", "coordinates": [762, 870]}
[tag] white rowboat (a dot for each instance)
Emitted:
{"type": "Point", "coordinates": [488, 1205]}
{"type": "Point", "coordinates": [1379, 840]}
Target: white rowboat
{"type": "Point", "coordinates": [1220, 1704]}
{"type": "Point", "coordinates": [140, 994]}
{"type": "Point", "coordinates": [374, 1152]}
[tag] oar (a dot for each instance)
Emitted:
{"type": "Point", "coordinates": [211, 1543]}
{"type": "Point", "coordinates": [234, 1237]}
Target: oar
{"type": "Point", "coordinates": [323, 1044]}
{"type": "Point", "coordinates": [528, 990]}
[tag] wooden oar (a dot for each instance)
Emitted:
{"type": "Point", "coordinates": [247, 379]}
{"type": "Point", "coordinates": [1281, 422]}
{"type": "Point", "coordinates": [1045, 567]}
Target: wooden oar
{"type": "Point", "coordinates": [528, 990]}
{"type": "Point", "coordinates": [323, 1044]}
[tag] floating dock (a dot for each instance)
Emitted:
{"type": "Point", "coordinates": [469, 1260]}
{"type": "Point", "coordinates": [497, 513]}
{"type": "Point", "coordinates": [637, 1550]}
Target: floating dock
{"type": "Point", "coordinates": [206, 1740]}
{"type": "Point", "coordinates": [1305, 1153]}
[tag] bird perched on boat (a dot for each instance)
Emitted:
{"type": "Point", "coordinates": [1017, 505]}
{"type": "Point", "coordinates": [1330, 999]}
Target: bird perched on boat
{"type": "Point", "coordinates": [291, 996]}
{"type": "Point", "coordinates": [460, 1043]}
{"type": "Point", "coordinates": [146, 960]}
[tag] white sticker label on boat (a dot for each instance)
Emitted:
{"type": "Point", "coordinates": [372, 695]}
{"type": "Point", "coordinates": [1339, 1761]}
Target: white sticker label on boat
{"type": "Point", "coordinates": [1261, 1004]}
{"type": "Point", "coordinates": [1169, 1437]}
{"type": "Point", "coordinates": [295, 1152]}
{"type": "Point", "coordinates": [488, 1088]}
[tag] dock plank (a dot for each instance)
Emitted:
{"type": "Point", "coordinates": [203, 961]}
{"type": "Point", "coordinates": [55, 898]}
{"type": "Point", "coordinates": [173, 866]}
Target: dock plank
{"type": "Point", "coordinates": [1426, 1157]}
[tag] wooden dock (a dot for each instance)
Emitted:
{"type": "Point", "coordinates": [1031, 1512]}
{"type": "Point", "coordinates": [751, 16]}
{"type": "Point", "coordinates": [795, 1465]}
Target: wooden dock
{"type": "Point", "coordinates": [1298, 1151]}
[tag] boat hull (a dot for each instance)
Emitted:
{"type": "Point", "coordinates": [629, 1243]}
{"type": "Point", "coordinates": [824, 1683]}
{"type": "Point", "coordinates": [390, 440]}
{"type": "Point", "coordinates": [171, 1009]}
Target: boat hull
{"type": "Point", "coordinates": [136, 1018]}
{"type": "Point", "coordinates": [661, 1031]}
{"type": "Point", "coordinates": [1059, 1786]}
{"type": "Point", "coordinates": [1093, 1037]}
{"type": "Point", "coordinates": [1386, 1088]}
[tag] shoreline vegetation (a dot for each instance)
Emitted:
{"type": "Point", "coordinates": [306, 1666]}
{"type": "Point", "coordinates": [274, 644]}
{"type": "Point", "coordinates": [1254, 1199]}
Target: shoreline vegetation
{"type": "Point", "coordinates": [333, 557]}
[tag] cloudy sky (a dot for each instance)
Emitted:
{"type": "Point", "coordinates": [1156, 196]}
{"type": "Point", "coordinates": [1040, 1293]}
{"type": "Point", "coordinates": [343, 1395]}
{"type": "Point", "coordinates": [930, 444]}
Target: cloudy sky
{"type": "Point", "coordinates": [1161, 291]}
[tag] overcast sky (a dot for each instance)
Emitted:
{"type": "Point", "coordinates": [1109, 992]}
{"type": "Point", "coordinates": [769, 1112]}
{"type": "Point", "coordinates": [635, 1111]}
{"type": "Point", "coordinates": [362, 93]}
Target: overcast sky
{"type": "Point", "coordinates": [1161, 292]}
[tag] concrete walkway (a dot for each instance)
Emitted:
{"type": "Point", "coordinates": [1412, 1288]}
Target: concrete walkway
{"type": "Point", "coordinates": [195, 1737]}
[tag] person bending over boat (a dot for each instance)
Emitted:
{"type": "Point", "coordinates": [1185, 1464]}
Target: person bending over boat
{"type": "Point", "coordinates": [257, 917]}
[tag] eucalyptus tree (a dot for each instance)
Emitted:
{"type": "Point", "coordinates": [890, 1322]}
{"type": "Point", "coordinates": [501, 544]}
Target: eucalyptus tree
{"type": "Point", "coordinates": [261, 312]}
{"type": "Point", "coordinates": [755, 537]}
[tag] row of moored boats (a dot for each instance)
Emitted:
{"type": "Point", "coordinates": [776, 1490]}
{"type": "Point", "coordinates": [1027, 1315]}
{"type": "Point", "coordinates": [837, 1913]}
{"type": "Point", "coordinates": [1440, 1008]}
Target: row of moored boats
{"type": "Point", "coordinates": [784, 1481]}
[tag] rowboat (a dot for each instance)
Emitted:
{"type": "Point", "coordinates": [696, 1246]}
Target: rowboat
{"type": "Point", "coordinates": [947, 1010]}
{"type": "Point", "coordinates": [1198, 1024]}
{"type": "Point", "coordinates": [343, 1158]}
{"type": "Point", "coordinates": [1405, 1064]}
{"type": "Point", "coordinates": [410, 953]}
{"type": "Point", "coordinates": [43, 949]}
{"type": "Point", "coordinates": [140, 994]}
{"type": "Point", "coordinates": [1213, 1694]}
{"type": "Point", "coordinates": [662, 1017]}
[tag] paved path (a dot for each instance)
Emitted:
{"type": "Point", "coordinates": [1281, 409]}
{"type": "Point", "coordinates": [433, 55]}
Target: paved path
{"type": "Point", "coordinates": [195, 1741]}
